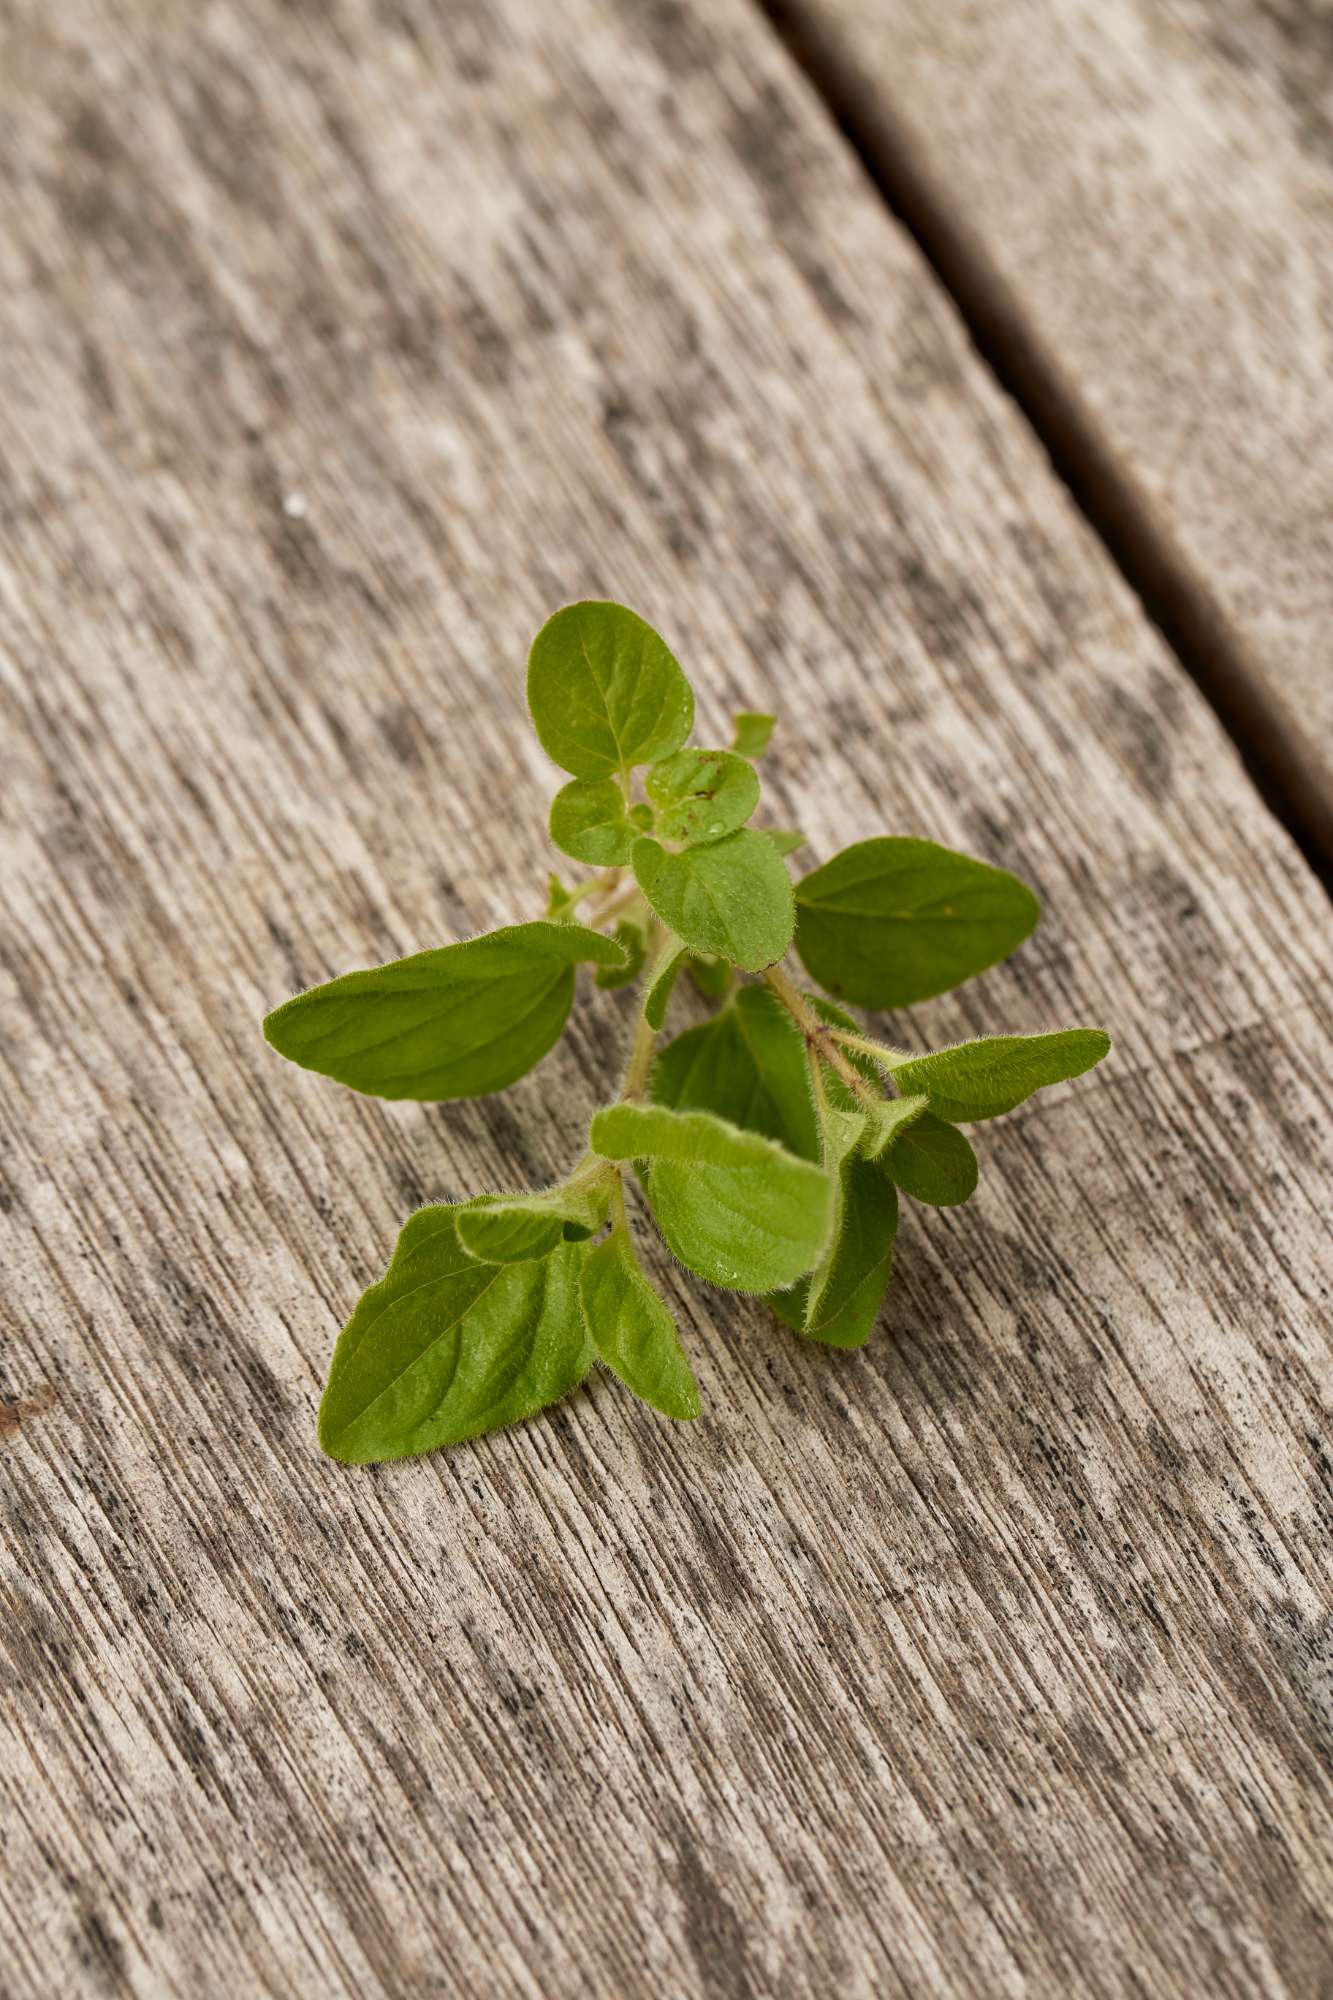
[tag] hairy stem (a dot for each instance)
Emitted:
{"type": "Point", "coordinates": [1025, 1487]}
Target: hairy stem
{"type": "Point", "coordinates": [619, 1219]}
{"type": "Point", "coordinates": [624, 898]}
{"type": "Point", "coordinates": [596, 885]}
{"type": "Point", "coordinates": [820, 1095]}
{"type": "Point", "coordinates": [640, 1061]}
{"type": "Point", "coordinates": [883, 1053]}
{"type": "Point", "coordinates": [819, 1035]}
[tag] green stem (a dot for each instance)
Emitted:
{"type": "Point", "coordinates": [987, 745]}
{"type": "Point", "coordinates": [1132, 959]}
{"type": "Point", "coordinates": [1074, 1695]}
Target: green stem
{"type": "Point", "coordinates": [883, 1053]}
{"type": "Point", "coordinates": [819, 1036]}
{"type": "Point", "coordinates": [607, 884]}
{"type": "Point", "coordinates": [619, 1219]}
{"type": "Point", "coordinates": [640, 1062]}
{"type": "Point", "coordinates": [628, 903]}
{"type": "Point", "coordinates": [637, 1069]}
{"type": "Point", "coordinates": [820, 1095]}
{"type": "Point", "coordinates": [640, 1059]}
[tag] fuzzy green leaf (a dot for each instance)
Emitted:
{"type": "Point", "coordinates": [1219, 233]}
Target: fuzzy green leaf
{"type": "Point", "coordinates": [747, 1065]}
{"type": "Point", "coordinates": [665, 974]}
{"type": "Point", "coordinates": [632, 1330]}
{"type": "Point", "coordinates": [933, 1162]}
{"type": "Point", "coordinates": [732, 897]}
{"type": "Point", "coordinates": [457, 1022]}
{"type": "Point", "coordinates": [753, 734]}
{"type": "Point", "coordinates": [787, 839]}
{"type": "Point", "coordinates": [589, 820]}
{"type": "Point", "coordinates": [504, 1234]}
{"type": "Point", "coordinates": [443, 1348]}
{"type": "Point", "coordinates": [699, 795]}
{"type": "Point", "coordinates": [560, 901]}
{"type": "Point", "coordinates": [981, 1079]}
{"type": "Point", "coordinates": [605, 692]}
{"type": "Point", "coordinates": [888, 922]}
{"type": "Point", "coordinates": [734, 1207]}
{"type": "Point", "coordinates": [839, 1303]}
{"type": "Point", "coordinates": [889, 1119]}
{"type": "Point", "coordinates": [839, 1300]}
{"type": "Point", "coordinates": [634, 943]}
{"type": "Point", "coordinates": [711, 976]}
{"type": "Point", "coordinates": [510, 1228]}
{"type": "Point", "coordinates": [844, 1133]}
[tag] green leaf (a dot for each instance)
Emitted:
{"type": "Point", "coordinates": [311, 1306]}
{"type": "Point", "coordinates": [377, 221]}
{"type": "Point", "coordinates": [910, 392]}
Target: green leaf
{"type": "Point", "coordinates": [505, 1234]}
{"type": "Point", "coordinates": [633, 941]}
{"type": "Point", "coordinates": [510, 1228]}
{"type": "Point", "coordinates": [889, 1119]}
{"type": "Point", "coordinates": [733, 1206]}
{"type": "Point", "coordinates": [699, 795]}
{"type": "Point", "coordinates": [732, 897]}
{"type": "Point", "coordinates": [981, 1079]}
{"type": "Point", "coordinates": [560, 901]}
{"type": "Point", "coordinates": [843, 1133]}
{"type": "Point", "coordinates": [888, 922]}
{"type": "Point", "coordinates": [711, 976]}
{"type": "Point", "coordinates": [839, 1300]}
{"type": "Point", "coordinates": [785, 838]}
{"type": "Point", "coordinates": [589, 821]}
{"type": "Point", "coordinates": [746, 1065]}
{"type": "Point", "coordinates": [632, 1330]}
{"type": "Point", "coordinates": [817, 1304]}
{"type": "Point", "coordinates": [933, 1162]}
{"type": "Point", "coordinates": [605, 692]}
{"type": "Point", "coordinates": [443, 1348]}
{"type": "Point", "coordinates": [839, 1303]}
{"type": "Point", "coordinates": [457, 1022]}
{"type": "Point", "coordinates": [665, 974]}
{"type": "Point", "coordinates": [753, 733]}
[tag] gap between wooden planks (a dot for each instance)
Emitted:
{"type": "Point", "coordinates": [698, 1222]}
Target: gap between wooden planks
{"type": "Point", "coordinates": [993, 1660]}
{"type": "Point", "coordinates": [1133, 204]}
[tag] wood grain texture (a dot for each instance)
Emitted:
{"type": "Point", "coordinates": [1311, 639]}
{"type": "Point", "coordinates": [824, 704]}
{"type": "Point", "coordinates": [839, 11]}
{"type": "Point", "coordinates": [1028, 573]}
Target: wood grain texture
{"type": "Point", "coordinates": [1136, 197]}
{"type": "Point", "coordinates": [998, 1659]}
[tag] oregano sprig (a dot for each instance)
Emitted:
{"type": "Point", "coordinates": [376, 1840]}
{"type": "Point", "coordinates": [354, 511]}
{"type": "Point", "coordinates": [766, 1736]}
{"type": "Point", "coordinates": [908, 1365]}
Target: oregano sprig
{"type": "Point", "coordinates": [770, 1142]}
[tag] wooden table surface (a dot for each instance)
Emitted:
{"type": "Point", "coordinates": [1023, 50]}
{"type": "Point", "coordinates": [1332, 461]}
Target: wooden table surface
{"type": "Point", "coordinates": [1134, 200]}
{"type": "Point", "coordinates": [340, 345]}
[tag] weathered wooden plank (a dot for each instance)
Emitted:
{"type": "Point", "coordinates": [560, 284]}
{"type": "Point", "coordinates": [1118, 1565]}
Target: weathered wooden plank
{"type": "Point", "coordinates": [1136, 196]}
{"type": "Point", "coordinates": [993, 1660]}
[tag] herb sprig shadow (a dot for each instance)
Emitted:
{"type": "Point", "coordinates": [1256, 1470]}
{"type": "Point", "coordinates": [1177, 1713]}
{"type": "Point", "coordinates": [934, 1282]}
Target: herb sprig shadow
{"type": "Point", "coordinates": [771, 1142]}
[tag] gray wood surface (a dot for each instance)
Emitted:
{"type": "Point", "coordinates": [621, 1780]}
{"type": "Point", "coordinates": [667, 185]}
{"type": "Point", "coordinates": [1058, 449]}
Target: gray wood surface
{"type": "Point", "coordinates": [340, 345]}
{"type": "Point", "coordinates": [1136, 197]}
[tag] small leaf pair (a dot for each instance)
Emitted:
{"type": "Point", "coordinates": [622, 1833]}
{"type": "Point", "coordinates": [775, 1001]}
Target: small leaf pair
{"type": "Point", "coordinates": [445, 1346]}
{"type": "Point", "coordinates": [770, 1142]}
{"type": "Point", "coordinates": [448, 1344]}
{"type": "Point", "coordinates": [490, 1309]}
{"type": "Point", "coordinates": [691, 797]}
{"type": "Point", "coordinates": [607, 698]}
